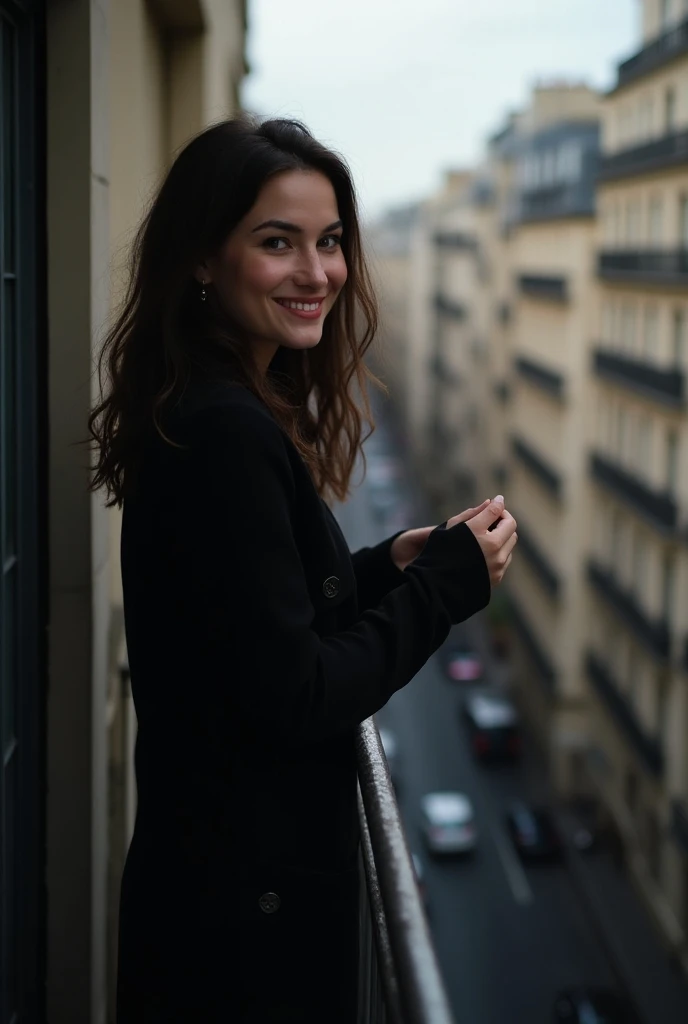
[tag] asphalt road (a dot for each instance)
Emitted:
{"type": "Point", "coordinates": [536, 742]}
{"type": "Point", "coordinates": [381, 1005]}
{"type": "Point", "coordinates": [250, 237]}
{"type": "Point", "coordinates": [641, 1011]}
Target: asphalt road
{"type": "Point", "coordinates": [508, 937]}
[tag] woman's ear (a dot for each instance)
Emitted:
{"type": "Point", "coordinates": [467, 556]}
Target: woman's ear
{"type": "Point", "coordinates": [202, 274]}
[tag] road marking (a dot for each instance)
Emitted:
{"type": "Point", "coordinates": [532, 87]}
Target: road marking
{"type": "Point", "coordinates": [516, 876]}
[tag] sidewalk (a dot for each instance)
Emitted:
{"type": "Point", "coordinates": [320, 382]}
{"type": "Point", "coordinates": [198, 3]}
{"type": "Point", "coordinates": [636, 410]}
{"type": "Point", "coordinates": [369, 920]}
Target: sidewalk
{"type": "Point", "coordinates": [658, 988]}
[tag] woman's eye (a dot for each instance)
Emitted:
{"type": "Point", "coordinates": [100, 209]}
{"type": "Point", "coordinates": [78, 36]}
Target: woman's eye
{"type": "Point", "coordinates": [275, 244]}
{"type": "Point", "coordinates": [331, 241]}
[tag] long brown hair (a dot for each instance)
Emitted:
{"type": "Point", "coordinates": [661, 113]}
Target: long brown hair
{"type": "Point", "coordinates": [163, 331]}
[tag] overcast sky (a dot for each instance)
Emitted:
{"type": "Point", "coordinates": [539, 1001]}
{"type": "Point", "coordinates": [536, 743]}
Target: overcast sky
{"type": "Point", "coordinates": [406, 88]}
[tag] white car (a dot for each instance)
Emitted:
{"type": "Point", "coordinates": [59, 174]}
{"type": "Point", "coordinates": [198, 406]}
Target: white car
{"type": "Point", "coordinates": [448, 823]}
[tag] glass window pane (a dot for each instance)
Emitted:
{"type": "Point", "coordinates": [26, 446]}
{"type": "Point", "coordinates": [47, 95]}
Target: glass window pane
{"type": "Point", "coordinates": [9, 144]}
{"type": "Point", "coordinates": [8, 433]}
{"type": "Point", "coordinates": [8, 658]}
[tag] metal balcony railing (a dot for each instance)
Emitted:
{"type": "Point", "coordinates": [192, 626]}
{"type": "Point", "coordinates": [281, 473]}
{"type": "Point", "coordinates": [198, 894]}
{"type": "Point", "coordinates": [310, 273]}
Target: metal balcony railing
{"type": "Point", "coordinates": [532, 459]}
{"type": "Point", "coordinates": [542, 286]}
{"type": "Point", "coordinates": [668, 151]}
{"type": "Point", "coordinates": [399, 979]}
{"type": "Point", "coordinates": [455, 240]}
{"type": "Point", "coordinates": [449, 307]}
{"type": "Point", "coordinates": [647, 747]}
{"type": "Point", "coordinates": [658, 266]}
{"type": "Point", "coordinates": [660, 51]}
{"type": "Point", "coordinates": [653, 633]}
{"type": "Point", "coordinates": [538, 561]}
{"type": "Point", "coordinates": [658, 508]}
{"type": "Point", "coordinates": [544, 378]}
{"type": "Point", "coordinates": [663, 384]}
{"type": "Point", "coordinates": [544, 668]}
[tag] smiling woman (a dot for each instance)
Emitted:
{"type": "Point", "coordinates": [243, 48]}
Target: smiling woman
{"type": "Point", "coordinates": [257, 642]}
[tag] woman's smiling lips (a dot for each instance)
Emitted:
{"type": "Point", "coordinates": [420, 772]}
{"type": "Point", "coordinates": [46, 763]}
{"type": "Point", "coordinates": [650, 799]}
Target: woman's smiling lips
{"type": "Point", "coordinates": [307, 310]}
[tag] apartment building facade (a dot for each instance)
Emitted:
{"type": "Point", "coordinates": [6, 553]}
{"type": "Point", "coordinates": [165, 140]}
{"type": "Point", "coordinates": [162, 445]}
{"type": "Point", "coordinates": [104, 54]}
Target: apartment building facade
{"type": "Point", "coordinates": [95, 99]}
{"type": "Point", "coordinates": [638, 564]}
{"type": "Point", "coordinates": [575, 264]}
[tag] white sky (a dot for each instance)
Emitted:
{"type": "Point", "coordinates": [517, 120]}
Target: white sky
{"type": "Point", "coordinates": [407, 88]}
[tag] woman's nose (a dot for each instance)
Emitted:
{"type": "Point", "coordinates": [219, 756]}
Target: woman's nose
{"type": "Point", "coordinates": [310, 272]}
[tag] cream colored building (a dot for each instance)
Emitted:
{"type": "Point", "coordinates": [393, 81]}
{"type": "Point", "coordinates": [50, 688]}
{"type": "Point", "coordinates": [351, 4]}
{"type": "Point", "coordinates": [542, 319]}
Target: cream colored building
{"type": "Point", "coordinates": [637, 661]}
{"type": "Point", "coordinates": [96, 99]}
{"type": "Point", "coordinates": [567, 252]}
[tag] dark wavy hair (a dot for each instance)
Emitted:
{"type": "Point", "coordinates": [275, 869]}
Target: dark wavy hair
{"type": "Point", "coordinates": [162, 331]}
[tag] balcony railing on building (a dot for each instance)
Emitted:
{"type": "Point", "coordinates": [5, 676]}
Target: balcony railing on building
{"type": "Point", "coordinates": [551, 202]}
{"type": "Point", "coordinates": [458, 240]}
{"type": "Point", "coordinates": [534, 462]}
{"type": "Point", "coordinates": [653, 266]}
{"type": "Point", "coordinates": [648, 748]}
{"type": "Point", "coordinates": [668, 46]}
{"type": "Point", "coordinates": [653, 633]}
{"type": "Point", "coordinates": [658, 508]}
{"type": "Point", "coordinates": [543, 377]}
{"type": "Point", "coordinates": [543, 286]}
{"type": "Point", "coordinates": [668, 151]}
{"type": "Point", "coordinates": [449, 307]}
{"type": "Point", "coordinates": [542, 663]}
{"type": "Point", "coordinates": [399, 979]}
{"type": "Point", "coordinates": [538, 561]}
{"type": "Point", "coordinates": [663, 384]}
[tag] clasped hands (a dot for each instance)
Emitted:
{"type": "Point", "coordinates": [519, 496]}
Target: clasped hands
{"type": "Point", "coordinates": [497, 544]}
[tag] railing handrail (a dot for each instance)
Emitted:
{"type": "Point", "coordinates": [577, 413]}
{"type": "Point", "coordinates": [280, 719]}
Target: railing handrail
{"type": "Point", "coordinates": [406, 955]}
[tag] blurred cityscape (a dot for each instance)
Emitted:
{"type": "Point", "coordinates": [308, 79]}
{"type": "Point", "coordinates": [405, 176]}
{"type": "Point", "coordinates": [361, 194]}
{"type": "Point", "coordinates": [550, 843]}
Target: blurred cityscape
{"type": "Point", "coordinates": [535, 343]}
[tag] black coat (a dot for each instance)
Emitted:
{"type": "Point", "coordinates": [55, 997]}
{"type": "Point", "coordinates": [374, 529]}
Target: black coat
{"type": "Point", "coordinates": [256, 645]}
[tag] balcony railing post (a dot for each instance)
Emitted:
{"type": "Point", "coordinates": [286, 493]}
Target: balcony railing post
{"type": "Point", "coordinates": [407, 987]}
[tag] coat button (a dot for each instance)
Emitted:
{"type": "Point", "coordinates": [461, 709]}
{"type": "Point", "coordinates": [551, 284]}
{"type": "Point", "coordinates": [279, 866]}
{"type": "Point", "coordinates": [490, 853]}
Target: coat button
{"type": "Point", "coordinates": [269, 902]}
{"type": "Point", "coordinates": [331, 586]}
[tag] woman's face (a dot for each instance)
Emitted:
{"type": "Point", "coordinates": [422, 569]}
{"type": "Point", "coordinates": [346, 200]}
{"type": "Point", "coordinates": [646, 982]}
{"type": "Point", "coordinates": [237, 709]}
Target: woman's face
{"type": "Point", "coordinates": [281, 269]}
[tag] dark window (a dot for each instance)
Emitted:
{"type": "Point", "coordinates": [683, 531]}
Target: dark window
{"type": "Point", "coordinates": [20, 726]}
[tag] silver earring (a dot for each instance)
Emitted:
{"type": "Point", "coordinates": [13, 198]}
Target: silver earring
{"type": "Point", "coordinates": [203, 293]}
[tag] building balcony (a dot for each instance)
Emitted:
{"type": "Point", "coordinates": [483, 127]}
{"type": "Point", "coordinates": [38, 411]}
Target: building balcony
{"type": "Point", "coordinates": [653, 634]}
{"type": "Point", "coordinates": [399, 977]}
{"type": "Point", "coordinates": [538, 561]}
{"type": "Point", "coordinates": [679, 823]}
{"type": "Point", "coordinates": [557, 201]}
{"type": "Point", "coordinates": [648, 749]}
{"type": "Point", "coordinates": [543, 378]}
{"type": "Point", "coordinates": [656, 508]}
{"type": "Point", "coordinates": [457, 240]}
{"type": "Point", "coordinates": [533, 461]}
{"type": "Point", "coordinates": [541, 286]}
{"type": "Point", "coordinates": [662, 50]}
{"type": "Point", "coordinates": [449, 307]}
{"type": "Point", "coordinates": [443, 372]}
{"type": "Point", "coordinates": [542, 663]}
{"type": "Point", "coordinates": [647, 266]}
{"type": "Point", "coordinates": [667, 151]}
{"type": "Point", "coordinates": [663, 385]}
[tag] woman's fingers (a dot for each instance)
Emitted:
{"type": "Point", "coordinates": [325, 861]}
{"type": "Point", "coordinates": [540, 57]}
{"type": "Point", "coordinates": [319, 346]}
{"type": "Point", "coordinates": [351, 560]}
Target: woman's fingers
{"type": "Point", "coordinates": [468, 513]}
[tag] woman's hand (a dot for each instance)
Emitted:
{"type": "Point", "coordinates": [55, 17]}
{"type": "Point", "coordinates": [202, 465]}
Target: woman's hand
{"type": "Point", "coordinates": [409, 545]}
{"type": "Point", "coordinates": [495, 531]}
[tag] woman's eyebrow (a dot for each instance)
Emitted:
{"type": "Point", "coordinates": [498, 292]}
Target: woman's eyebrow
{"type": "Point", "coordinates": [285, 225]}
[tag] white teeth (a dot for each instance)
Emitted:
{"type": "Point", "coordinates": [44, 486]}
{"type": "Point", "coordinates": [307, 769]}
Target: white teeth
{"type": "Point", "coordinates": [307, 307]}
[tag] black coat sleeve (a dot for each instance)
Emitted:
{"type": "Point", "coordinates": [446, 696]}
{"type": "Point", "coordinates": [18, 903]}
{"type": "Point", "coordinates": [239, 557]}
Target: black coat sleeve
{"type": "Point", "coordinates": [251, 601]}
{"type": "Point", "coordinates": [376, 573]}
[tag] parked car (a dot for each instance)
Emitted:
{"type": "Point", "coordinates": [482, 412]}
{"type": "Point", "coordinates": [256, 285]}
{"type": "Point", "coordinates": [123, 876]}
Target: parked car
{"type": "Point", "coordinates": [463, 665]}
{"type": "Point", "coordinates": [448, 823]}
{"type": "Point", "coordinates": [593, 1006]}
{"type": "Point", "coordinates": [391, 749]}
{"type": "Point", "coordinates": [493, 725]}
{"type": "Point", "coordinates": [420, 878]}
{"type": "Point", "coordinates": [534, 833]}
